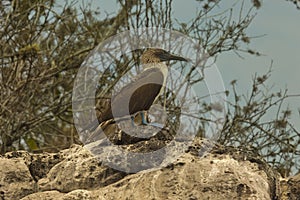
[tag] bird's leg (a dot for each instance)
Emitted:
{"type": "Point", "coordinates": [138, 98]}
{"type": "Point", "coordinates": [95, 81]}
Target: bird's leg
{"type": "Point", "coordinates": [145, 122]}
{"type": "Point", "coordinates": [132, 121]}
{"type": "Point", "coordinates": [158, 125]}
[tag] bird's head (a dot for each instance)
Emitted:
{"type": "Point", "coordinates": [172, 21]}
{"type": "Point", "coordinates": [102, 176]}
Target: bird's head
{"type": "Point", "coordinates": [154, 55]}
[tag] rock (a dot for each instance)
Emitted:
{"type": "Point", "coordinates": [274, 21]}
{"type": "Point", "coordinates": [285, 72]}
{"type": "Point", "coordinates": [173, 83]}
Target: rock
{"type": "Point", "coordinates": [222, 173]}
{"type": "Point", "coordinates": [212, 177]}
{"type": "Point", "coordinates": [47, 195]}
{"type": "Point", "coordinates": [16, 180]}
{"type": "Point", "coordinates": [79, 169]}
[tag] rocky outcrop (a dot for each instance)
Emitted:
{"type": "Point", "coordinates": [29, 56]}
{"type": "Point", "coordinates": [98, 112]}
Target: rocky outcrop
{"type": "Point", "coordinates": [16, 180]}
{"type": "Point", "coordinates": [222, 173]}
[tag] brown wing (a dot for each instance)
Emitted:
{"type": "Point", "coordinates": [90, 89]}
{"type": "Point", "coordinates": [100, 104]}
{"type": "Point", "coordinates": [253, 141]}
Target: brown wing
{"type": "Point", "coordinates": [136, 96]}
{"type": "Point", "coordinates": [139, 94]}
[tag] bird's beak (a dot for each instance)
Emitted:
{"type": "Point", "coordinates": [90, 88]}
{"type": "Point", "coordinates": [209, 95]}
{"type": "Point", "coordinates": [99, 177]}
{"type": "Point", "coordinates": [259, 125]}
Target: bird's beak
{"type": "Point", "coordinates": [174, 57]}
{"type": "Point", "coordinates": [168, 56]}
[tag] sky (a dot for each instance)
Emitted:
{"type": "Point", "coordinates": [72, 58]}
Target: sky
{"type": "Point", "coordinates": [281, 44]}
{"type": "Point", "coordinates": [278, 21]}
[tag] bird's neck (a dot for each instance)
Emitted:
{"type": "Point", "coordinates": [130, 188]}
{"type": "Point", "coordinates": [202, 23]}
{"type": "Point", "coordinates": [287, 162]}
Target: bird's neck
{"type": "Point", "coordinates": [164, 69]}
{"type": "Point", "coordinates": [161, 66]}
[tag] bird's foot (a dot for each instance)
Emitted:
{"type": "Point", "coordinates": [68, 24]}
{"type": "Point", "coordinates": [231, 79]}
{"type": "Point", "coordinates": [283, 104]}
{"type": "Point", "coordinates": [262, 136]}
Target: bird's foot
{"type": "Point", "coordinates": [132, 121]}
{"type": "Point", "coordinates": [144, 121]}
{"type": "Point", "coordinates": [157, 125]}
{"type": "Point", "coordinates": [154, 124]}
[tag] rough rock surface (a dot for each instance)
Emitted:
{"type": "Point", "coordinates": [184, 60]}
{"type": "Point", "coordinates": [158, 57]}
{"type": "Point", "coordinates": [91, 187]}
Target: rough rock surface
{"type": "Point", "coordinates": [16, 180]}
{"type": "Point", "coordinates": [223, 173]}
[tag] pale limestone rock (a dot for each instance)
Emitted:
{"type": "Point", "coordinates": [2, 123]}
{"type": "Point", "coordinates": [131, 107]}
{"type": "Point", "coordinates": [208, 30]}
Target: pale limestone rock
{"type": "Point", "coordinates": [15, 179]}
{"type": "Point", "coordinates": [223, 173]}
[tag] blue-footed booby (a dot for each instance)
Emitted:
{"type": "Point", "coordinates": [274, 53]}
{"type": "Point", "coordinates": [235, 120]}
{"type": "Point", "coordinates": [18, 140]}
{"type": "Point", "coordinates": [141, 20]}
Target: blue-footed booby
{"type": "Point", "coordinates": [139, 95]}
